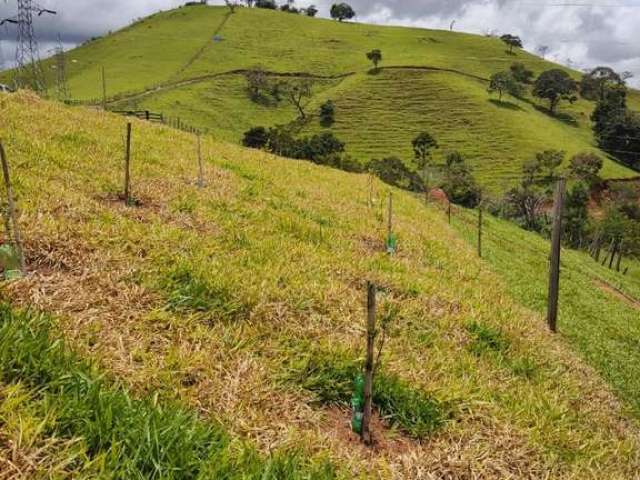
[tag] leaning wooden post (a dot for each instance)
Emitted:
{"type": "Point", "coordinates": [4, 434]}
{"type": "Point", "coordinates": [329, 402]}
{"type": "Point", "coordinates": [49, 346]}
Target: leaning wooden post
{"type": "Point", "coordinates": [554, 270]}
{"type": "Point", "coordinates": [17, 238]}
{"type": "Point", "coordinates": [200, 166]}
{"type": "Point", "coordinates": [368, 367]}
{"type": "Point", "coordinates": [480, 231]}
{"type": "Point", "coordinates": [616, 246]}
{"type": "Point", "coordinates": [127, 167]}
{"type": "Point", "coordinates": [449, 212]}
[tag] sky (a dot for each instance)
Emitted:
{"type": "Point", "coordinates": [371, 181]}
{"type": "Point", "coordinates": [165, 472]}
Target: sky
{"type": "Point", "coordinates": [579, 33]}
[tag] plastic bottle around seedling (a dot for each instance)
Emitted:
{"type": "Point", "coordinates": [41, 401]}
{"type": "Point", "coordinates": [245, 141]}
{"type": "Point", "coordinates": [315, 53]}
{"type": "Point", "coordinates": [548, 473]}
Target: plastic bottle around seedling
{"type": "Point", "coordinates": [392, 243]}
{"type": "Point", "coordinates": [10, 263]}
{"type": "Point", "coordinates": [357, 404]}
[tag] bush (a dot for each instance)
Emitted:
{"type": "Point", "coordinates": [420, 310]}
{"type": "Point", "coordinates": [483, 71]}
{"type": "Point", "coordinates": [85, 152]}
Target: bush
{"type": "Point", "coordinates": [327, 113]}
{"type": "Point", "coordinates": [393, 171]}
{"type": "Point", "coordinates": [257, 137]}
{"type": "Point", "coordinates": [459, 184]}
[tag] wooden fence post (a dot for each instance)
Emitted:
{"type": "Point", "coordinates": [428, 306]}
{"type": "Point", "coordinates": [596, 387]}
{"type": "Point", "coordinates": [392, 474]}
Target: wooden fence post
{"type": "Point", "coordinates": [449, 212]}
{"type": "Point", "coordinates": [200, 166]}
{"type": "Point", "coordinates": [127, 167]}
{"type": "Point", "coordinates": [390, 215]}
{"type": "Point", "coordinates": [104, 89]}
{"type": "Point", "coordinates": [17, 238]}
{"type": "Point", "coordinates": [554, 270]}
{"type": "Point", "coordinates": [368, 367]}
{"type": "Point", "coordinates": [480, 231]}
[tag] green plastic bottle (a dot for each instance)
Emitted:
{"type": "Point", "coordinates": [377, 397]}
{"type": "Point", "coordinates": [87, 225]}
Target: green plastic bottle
{"type": "Point", "coordinates": [10, 263]}
{"type": "Point", "coordinates": [357, 404]}
{"type": "Point", "coordinates": [392, 243]}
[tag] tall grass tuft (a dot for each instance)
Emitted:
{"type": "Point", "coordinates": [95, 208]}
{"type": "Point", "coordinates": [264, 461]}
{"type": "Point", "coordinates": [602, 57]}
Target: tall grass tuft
{"type": "Point", "coordinates": [132, 439]}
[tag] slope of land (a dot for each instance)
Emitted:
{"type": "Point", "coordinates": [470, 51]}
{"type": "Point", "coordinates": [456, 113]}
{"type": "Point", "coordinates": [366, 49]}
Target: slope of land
{"type": "Point", "coordinates": [599, 307]}
{"type": "Point", "coordinates": [243, 301]}
{"type": "Point", "coordinates": [170, 62]}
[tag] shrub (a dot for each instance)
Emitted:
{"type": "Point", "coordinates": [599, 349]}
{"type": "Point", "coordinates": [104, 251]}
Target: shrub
{"type": "Point", "coordinates": [257, 137]}
{"type": "Point", "coordinates": [394, 172]}
{"type": "Point", "coordinates": [459, 183]}
{"type": "Point", "coordinates": [327, 113]}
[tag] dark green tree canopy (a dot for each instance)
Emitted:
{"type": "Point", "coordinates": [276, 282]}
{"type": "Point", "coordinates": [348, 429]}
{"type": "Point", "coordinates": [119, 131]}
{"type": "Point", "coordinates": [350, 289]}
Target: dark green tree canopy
{"type": "Point", "coordinates": [505, 82]}
{"type": "Point", "coordinates": [511, 41]}
{"type": "Point", "coordinates": [423, 144]}
{"type": "Point", "coordinates": [586, 167]}
{"type": "Point", "coordinates": [555, 85]}
{"type": "Point", "coordinates": [521, 73]}
{"type": "Point", "coordinates": [594, 85]}
{"type": "Point", "coordinates": [375, 56]}
{"type": "Point", "coordinates": [342, 11]}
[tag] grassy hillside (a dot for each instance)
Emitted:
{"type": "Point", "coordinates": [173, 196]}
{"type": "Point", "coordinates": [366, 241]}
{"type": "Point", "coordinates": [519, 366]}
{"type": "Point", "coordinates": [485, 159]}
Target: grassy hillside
{"type": "Point", "coordinates": [599, 307]}
{"type": "Point", "coordinates": [243, 302]}
{"type": "Point", "coordinates": [172, 59]}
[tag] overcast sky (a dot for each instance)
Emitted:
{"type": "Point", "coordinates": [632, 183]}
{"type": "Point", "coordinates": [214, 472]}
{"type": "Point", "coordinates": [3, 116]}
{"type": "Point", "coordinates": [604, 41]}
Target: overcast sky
{"type": "Point", "coordinates": [580, 33]}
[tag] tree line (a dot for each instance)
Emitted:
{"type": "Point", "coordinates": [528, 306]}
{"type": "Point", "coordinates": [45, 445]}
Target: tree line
{"type": "Point", "coordinates": [339, 11]}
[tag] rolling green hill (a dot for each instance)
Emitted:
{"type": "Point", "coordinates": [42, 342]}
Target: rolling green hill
{"type": "Point", "coordinates": [225, 324]}
{"type": "Point", "coordinates": [170, 62]}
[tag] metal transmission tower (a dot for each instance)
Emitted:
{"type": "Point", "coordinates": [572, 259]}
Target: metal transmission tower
{"type": "Point", "coordinates": [28, 70]}
{"type": "Point", "coordinates": [61, 71]}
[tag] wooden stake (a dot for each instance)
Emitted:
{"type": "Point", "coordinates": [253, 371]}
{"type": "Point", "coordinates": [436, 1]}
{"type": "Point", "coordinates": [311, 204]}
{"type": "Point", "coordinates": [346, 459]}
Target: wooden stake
{"type": "Point", "coordinates": [554, 270]}
{"type": "Point", "coordinates": [368, 367]}
{"type": "Point", "coordinates": [480, 232]}
{"type": "Point", "coordinates": [127, 167]}
{"type": "Point", "coordinates": [449, 212]}
{"type": "Point", "coordinates": [370, 190]}
{"type": "Point", "coordinates": [390, 214]}
{"type": "Point", "coordinates": [104, 90]}
{"type": "Point", "coordinates": [17, 238]}
{"type": "Point", "coordinates": [200, 166]}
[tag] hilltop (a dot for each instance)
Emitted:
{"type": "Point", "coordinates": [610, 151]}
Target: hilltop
{"type": "Point", "coordinates": [243, 303]}
{"type": "Point", "coordinates": [430, 80]}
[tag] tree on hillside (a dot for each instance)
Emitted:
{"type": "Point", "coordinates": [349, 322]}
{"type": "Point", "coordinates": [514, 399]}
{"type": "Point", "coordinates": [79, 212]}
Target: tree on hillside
{"type": "Point", "coordinates": [459, 184]}
{"type": "Point", "coordinates": [511, 41]}
{"type": "Point", "coordinates": [423, 145]}
{"type": "Point", "coordinates": [298, 92]}
{"type": "Point", "coordinates": [311, 11]}
{"type": "Point", "coordinates": [555, 85]}
{"type": "Point", "coordinates": [231, 4]}
{"type": "Point", "coordinates": [521, 73]}
{"type": "Point", "coordinates": [375, 56]}
{"type": "Point", "coordinates": [586, 167]}
{"type": "Point", "coordinates": [504, 82]}
{"type": "Point", "coordinates": [595, 84]}
{"type": "Point", "coordinates": [327, 113]}
{"type": "Point", "coordinates": [393, 171]}
{"type": "Point", "coordinates": [342, 11]}
{"type": "Point", "coordinates": [256, 137]}
{"type": "Point", "coordinates": [576, 215]}
{"type": "Point", "coordinates": [543, 50]}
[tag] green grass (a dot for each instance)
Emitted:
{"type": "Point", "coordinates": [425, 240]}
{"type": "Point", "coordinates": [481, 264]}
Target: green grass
{"type": "Point", "coordinates": [600, 325]}
{"type": "Point", "coordinates": [330, 376]}
{"type": "Point", "coordinates": [124, 437]}
{"type": "Point", "coordinates": [377, 116]}
{"type": "Point", "coordinates": [205, 298]}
